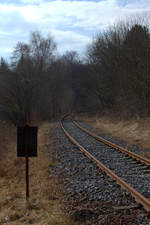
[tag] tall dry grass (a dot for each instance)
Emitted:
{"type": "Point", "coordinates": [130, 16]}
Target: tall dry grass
{"type": "Point", "coordinates": [44, 206]}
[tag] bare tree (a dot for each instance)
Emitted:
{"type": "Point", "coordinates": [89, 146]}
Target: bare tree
{"type": "Point", "coordinates": [119, 59]}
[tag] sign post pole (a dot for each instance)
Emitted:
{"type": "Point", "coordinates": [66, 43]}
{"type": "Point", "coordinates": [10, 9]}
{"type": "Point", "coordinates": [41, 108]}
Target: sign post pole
{"type": "Point", "coordinates": [27, 147]}
{"type": "Point", "coordinates": [27, 161]}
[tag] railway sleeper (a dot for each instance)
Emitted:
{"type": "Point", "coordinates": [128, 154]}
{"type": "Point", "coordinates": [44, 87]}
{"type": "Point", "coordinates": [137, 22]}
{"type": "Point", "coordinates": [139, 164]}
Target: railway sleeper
{"type": "Point", "coordinates": [133, 159]}
{"type": "Point", "coordinates": [143, 168]}
{"type": "Point", "coordinates": [137, 162]}
{"type": "Point", "coordinates": [146, 171]}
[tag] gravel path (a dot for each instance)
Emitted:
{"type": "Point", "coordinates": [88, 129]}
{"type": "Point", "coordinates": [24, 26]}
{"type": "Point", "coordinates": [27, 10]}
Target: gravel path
{"type": "Point", "coordinates": [103, 201]}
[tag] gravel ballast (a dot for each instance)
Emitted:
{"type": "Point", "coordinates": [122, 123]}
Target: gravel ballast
{"type": "Point", "coordinates": [119, 163]}
{"type": "Point", "coordinates": [132, 147]}
{"type": "Point", "coordinates": [82, 180]}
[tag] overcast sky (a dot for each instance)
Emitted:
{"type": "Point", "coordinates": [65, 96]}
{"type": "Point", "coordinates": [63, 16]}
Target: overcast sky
{"type": "Point", "coordinates": [71, 23]}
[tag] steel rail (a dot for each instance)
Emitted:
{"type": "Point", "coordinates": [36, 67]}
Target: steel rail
{"type": "Point", "coordinates": [115, 146]}
{"type": "Point", "coordinates": [138, 197]}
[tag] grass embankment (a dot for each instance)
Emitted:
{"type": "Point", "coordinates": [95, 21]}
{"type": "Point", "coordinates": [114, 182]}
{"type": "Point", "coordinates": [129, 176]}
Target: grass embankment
{"type": "Point", "coordinates": [133, 131]}
{"type": "Point", "coordinates": [44, 207]}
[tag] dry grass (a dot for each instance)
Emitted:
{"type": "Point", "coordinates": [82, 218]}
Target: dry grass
{"type": "Point", "coordinates": [44, 207]}
{"type": "Point", "coordinates": [134, 131]}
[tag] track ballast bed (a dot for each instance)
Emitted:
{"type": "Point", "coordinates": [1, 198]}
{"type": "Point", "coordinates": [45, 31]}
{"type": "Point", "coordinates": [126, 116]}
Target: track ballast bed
{"type": "Point", "coordinates": [131, 174]}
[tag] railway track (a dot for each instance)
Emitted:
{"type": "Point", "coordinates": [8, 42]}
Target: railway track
{"type": "Point", "coordinates": [131, 171]}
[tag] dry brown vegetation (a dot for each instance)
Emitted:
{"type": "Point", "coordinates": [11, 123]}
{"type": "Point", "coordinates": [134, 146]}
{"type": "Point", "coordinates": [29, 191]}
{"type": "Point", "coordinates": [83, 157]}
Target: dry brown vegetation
{"type": "Point", "coordinates": [134, 131]}
{"type": "Point", "coordinates": [44, 207]}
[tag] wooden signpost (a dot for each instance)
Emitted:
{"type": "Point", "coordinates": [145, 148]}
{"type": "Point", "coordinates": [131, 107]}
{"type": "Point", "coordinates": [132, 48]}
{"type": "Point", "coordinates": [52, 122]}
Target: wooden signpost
{"type": "Point", "coordinates": [27, 147]}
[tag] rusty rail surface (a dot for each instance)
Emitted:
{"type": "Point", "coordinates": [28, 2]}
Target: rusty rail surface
{"type": "Point", "coordinates": [138, 197]}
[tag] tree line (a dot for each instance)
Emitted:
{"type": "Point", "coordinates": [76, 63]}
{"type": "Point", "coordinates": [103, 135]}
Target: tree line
{"type": "Point", "coordinates": [114, 76]}
{"type": "Point", "coordinates": [40, 84]}
{"type": "Point", "coordinates": [120, 63]}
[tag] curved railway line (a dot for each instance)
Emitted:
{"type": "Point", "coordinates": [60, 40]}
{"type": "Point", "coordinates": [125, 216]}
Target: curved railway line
{"type": "Point", "coordinates": [131, 171]}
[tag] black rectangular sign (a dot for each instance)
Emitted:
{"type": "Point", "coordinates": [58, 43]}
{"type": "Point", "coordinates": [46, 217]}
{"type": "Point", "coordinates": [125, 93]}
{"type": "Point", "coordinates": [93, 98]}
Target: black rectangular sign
{"type": "Point", "coordinates": [27, 139]}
